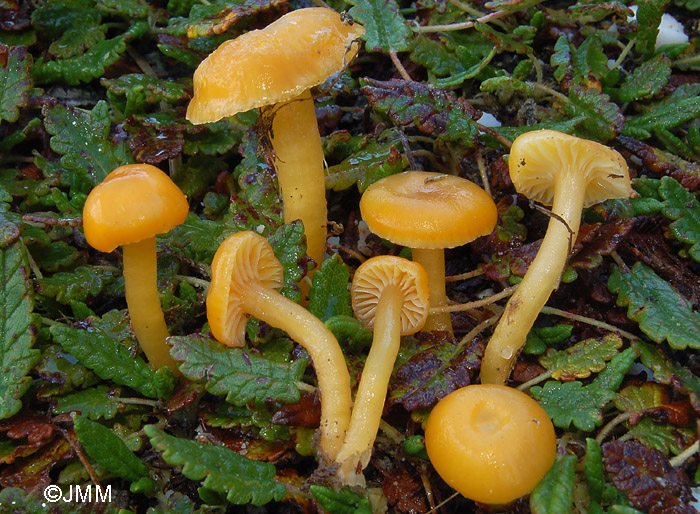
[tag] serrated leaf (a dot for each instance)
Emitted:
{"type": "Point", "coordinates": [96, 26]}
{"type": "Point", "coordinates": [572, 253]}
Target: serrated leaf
{"type": "Point", "coordinates": [240, 375]}
{"type": "Point", "coordinates": [572, 402]}
{"type": "Point", "coordinates": [76, 285]}
{"type": "Point", "coordinates": [82, 137]}
{"type": "Point", "coordinates": [155, 89]}
{"type": "Point", "coordinates": [386, 29]}
{"type": "Point", "coordinates": [129, 9]}
{"type": "Point", "coordinates": [603, 122]}
{"type": "Point", "coordinates": [662, 313]}
{"type": "Point", "coordinates": [15, 81]}
{"type": "Point", "coordinates": [95, 403]}
{"type": "Point", "coordinates": [111, 360]}
{"type": "Point", "coordinates": [646, 80]}
{"type": "Point", "coordinates": [614, 373]}
{"type": "Point", "coordinates": [435, 57]}
{"type": "Point", "coordinates": [236, 478]}
{"type": "Point", "coordinates": [329, 295]}
{"type": "Point", "coordinates": [580, 360]}
{"type": "Point", "coordinates": [589, 59]}
{"type": "Point", "coordinates": [108, 450]}
{"type": "Point", "coordinates": [345, 501]}
{"type": "Point", "coordinates": [649, 14]}
{"type": "Point", "coordinates": [76, 40]}
{"type": "Point", "coordinates": [432, 110]}
{"type": "Point", "coordinates": [683, 207]}
{"type": "Point", "coordinates": [17, 329]}
{"type": "Point", "coordinates": [198, 238]}
{"type": "Point", "coordinates": [593, 469]}
{"type": "Point", "coordinates": [211, 19]}
{"type": "Point", "coordinates": [349, 331]}
{"type": "Point", "coordinates": [555, 492]}
{"type": "Point", "coordinates": [288, 243]}
{"type": "Point", "coordinates": [561, 58]}
{"type": "Point", "coordinates": [666, 116]}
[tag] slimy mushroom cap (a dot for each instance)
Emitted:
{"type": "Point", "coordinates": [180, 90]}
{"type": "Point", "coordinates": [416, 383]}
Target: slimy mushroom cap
{"type": "Point", "coordinates": [421, 209]}
{"type": "Point", "coordinates": [134, 202]}
{"type": "Point", "coordinates": [275, 64]}
{"type": "Point", "coordinates": [242, 260]}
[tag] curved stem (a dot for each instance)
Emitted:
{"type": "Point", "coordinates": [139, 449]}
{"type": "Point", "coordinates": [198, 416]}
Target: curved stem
{"type": "Point", "coordinates": [298, 155]}
{"type": "Point", "coordinates": [433, 260]}
{"type": "Point", "coordinates": [141, 286]}
{"type": "Point", "coordinates": [541, 279]}
{"type": "Point", "coordinates": [371, 392]}
{"type": "Point", "coordinates": [333, 378]}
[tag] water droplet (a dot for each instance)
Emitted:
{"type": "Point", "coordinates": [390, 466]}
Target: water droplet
{"type": "Point", "coordinates": [507, 352]}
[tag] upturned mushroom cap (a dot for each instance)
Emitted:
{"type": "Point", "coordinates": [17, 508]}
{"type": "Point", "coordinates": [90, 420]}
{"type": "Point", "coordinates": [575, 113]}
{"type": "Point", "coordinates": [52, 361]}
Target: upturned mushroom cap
{"type": "Point", "coordinates": [134, 202]}
{"type": "Point", "coordinates": [420, 209]}
{"type": "Point", "coordinates": [541, 157]}
{"type": "Point", "coordinates": [375, 274]}
{"type": "Point", "coordinates": [491, 443]}
{"type": "Point", "coordinates": [262, 67]}
{"type": "Point", "coordinates": [243, 260]}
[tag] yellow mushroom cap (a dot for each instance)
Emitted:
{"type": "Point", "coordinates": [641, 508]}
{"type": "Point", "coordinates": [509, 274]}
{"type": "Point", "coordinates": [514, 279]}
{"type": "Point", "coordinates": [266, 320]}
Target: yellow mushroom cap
{"type": "Point", "coordinates": [262, 67]}
{"type": "Point", "coordinates": [243, 260]}
{"type": "Point", "coordinates": [541, 157]}
{"type": "Point", "coordinates": [133, 202]}
{"type": "Point", "coordinates": [420, 209]}
{"type": "Point", "coordinates": [378, 273]}
{"type": "Point", "coordinates": [491, 443]}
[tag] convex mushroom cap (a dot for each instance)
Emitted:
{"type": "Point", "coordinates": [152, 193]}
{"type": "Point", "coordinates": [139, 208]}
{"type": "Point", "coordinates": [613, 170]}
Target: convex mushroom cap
{"type": "Point", "coordinates": [263, 67]}
{"type": "Point", "coordinates": [429, 212]}
{"type": "Point", "coordinates": [134, 202]}
{"type": "Point", "coordinates": [491, 443]}
{"type": "Point", "coordinates": [568, 173]}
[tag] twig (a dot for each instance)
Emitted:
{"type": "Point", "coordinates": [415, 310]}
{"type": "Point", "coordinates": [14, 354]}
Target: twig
{"type": "Point", "coordinates": [476, 303]}
{"type": "Point", "coordinates": [607, 429]}
{"type": "Point", "coordinates": [81, 456]}
{"type": "Point", "coordinates": [589, 321]}
{"type": "Point", "coordinates": [443, 502]}
{"type": "Point", "coordinates": [399, 66]}
{"type": "Point", "coordinates": [393, 434]}
{"type": "Point", "coordinates": [679, 459]}
{"type": "Point", "coordinates": [483, 173]}
{"type": "Point", "coordinates": [534, 381]}
{"type": "Point", "coordinates": [465, 276]}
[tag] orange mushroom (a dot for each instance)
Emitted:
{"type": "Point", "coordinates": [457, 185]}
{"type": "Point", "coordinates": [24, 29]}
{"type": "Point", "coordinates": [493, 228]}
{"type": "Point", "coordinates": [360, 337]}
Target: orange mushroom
{"type": "Point", "coordinates": [429, 212]}
{"type": "Point", "coordinates": [569, 174]}
{"type": "Point", "coordinates": [389, 296]}
{"type": "Point", "coordinates": [490, 443]}
{"type": "Point", "coordinates": [276, 67]}
{"type": "Point", "coordinates": [244, 277]}
{"type": "Point", "coordinates": [131, 205]}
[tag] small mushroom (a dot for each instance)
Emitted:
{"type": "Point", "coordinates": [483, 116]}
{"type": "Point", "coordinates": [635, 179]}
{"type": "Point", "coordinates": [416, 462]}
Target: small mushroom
{"type": "Point", "coordinates": [491, 443]}
{"type": "Point", "coordinates": [569, 174]}
{"type": "Point", "coordinates": [131, 205]}
{"type": "Point", "coordinates": [389, 296]}
{"type": "Point", "coordinates": [276, 67]}
{"type": "Point", "coordinates": [244, 277]}
{"type": "Point", "coordinates": [429, 212]}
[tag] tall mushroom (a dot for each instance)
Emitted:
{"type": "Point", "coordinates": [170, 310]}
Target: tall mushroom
{"type": "Point", "coordinates": [569, 174]}
{"type": "Point", "coordinates": [276, 67]}
{"type": "Point", "coordinates": [429, 212]}
{"type": "Point", "coordinates": [491, 443]}
{"type": "Point", "coordinates": [389, 296]}
{"type": "Point", "coordinates": [131, 205]}
{"type": "Point", "coordinates": [244, 276]}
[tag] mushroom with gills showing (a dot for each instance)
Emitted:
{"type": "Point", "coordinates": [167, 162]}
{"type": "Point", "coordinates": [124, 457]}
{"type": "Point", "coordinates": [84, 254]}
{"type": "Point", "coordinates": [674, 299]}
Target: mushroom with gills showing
{"type": "Point", "coordinates": [390, 296]}
{"type": "Point", "coordinates": [244, 277]}
{"type": "Point", "coordinates": [132, 204]}
{"type": "Point", "coordinates": [276, 67]}
{"type": "Point", "coordinates": [429, 212]}
{"type": "Point", "coordinates": [491, 443]}
{"type": "Point", "coordinates": [569, 174]}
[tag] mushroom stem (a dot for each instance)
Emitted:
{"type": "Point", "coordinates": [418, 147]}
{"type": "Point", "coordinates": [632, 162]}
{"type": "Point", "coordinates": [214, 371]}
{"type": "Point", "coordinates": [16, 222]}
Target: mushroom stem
{"type": "Point", "coordinates": [298, 154]}
{"type": "Point", "coordinates": [433, 260]}
{"type": "Point", "coordinates": [141, 286]}
{"type": "Point", "coordinates": [273, 308]}
{"type": "Point", "coordinates": [541, 279]}
{"type": "Point", "coordinates": [371, 392]}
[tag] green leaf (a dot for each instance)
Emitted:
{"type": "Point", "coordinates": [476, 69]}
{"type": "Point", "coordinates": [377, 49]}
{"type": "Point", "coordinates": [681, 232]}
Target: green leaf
{"type": "Point", "coordinates": [76, 285]}
{"type": "Point", "coordinates": [555, 492]}
{"type": "Point", "coordinates": [345, 501]}
{"type": "Point", "coordinates": [646, 80]}
{"type": "Point", "coordinates": [589, 59]}
{"type": "Point", "coordinates": [76, 40]}
{"type": "Point", "coordinates": [241, 375]}
{"type": "Point", "coordinates": [236, 478]}
{"type": "Point", "coordinates": [15, 82]}
{"type": "Point", "coordinates": [82, 137]}
{"type": "Point", "coordinates": [289, 245]}
{"type": "Point", "coordinates": [571, 402]}
{"type": "Point", "coordinates": [662, 313]}
{"type": "Point", "coordinates": [349, 331]}
{"type": "Point", "coordinates": [18, 328]}
{"type": "Point", "coordinates": [197, 238]}
{"type": "Point", "coordinates": [593, 469]}
{"type": "Point", "coordinates": [88, 66]}
{"type": "Point", "coordinates": [649, 14]}
{"type": "Point", "coordinates": [614, 373]}
{"type": "Point", "coordinates": [561, 58]}
{"type": "Point", "coordinates": [129, 9]}
{"type": "Point", "coordinates": [683, 207]}
{"type": "Point", "coordinates": [435, 57]}
{"type": "Point", "coordinates": [155, 90]}
{"type": "Point", "coordinates": [108, 450]}
{"type": "Point", "coordinates": [584, 357]}
{"type": "Point", "coordinates": [603, 122]}
{"type": "Point", "coordinates": [539, 338]}
{"type": "Point", "coordinates": [666, 116]}
{"type": "Point", "coordinates": [329, 295]}
{"type": "Point", "coordinates": [385, 28]}
{"type": "Point", "coordinates": [95, 403]}
{"type": "Point", "coordinates": [111, 360]}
